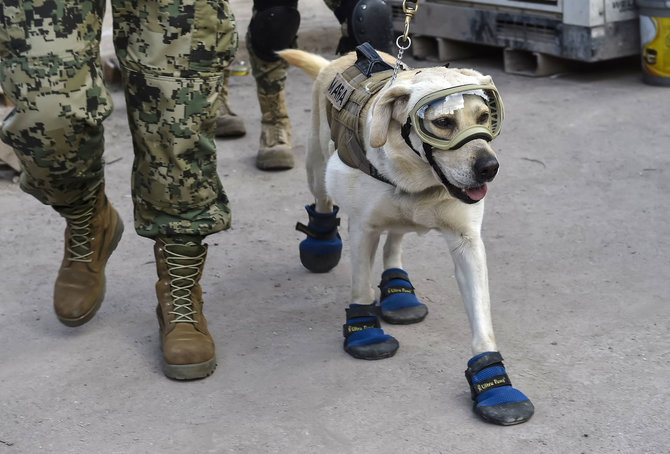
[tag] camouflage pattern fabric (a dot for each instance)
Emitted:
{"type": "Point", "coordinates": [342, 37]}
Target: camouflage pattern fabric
{"type": "Point", "coordinates": [49, 70]}
{"type": "Point", "coordinates": [271, 76]}
{"type": "Point", "coordinates": [172, 54]}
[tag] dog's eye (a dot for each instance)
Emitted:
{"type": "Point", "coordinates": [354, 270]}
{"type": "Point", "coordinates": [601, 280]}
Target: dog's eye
{"type": "Point", "coordinates": [483, 118]}
{"type": "Point", "coordinates": [444, 123]}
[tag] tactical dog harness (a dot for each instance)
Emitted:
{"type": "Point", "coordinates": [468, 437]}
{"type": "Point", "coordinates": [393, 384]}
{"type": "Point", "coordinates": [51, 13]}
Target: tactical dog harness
{"type": "Point", "coordinates": [348, 93]}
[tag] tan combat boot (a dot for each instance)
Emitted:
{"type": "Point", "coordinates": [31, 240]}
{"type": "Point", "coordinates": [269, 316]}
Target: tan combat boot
{"type": "Point", "coordinates": [274, 152]}
{"type": "Point", "coordinates": [188, 348]}
{"type": "Point", "coordinates": [228, 124]}
{"type": "Point", "coordinates": [91, 235]}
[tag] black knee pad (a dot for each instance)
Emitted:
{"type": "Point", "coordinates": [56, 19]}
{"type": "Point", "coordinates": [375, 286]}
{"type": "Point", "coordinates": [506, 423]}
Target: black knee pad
{"type": "Point", "coordinates": [273, 27]}
{"type": "Point", "coordinates": [367, 21]}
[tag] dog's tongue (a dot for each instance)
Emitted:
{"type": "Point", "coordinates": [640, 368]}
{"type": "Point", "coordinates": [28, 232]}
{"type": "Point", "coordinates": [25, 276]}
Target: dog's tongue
{"type": "Point", "coordinates": [476, 193]}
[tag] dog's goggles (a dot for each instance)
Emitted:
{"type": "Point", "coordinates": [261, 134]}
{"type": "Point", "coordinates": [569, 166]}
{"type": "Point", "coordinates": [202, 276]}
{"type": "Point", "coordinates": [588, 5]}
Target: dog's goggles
{"type": "Point", "coordinates": [437, 117]}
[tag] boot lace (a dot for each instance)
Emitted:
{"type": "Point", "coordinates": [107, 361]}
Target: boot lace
{"type": "Point", "coordinates": [183, 271]}
{"type": "Point", "coordinates": [80, 234]}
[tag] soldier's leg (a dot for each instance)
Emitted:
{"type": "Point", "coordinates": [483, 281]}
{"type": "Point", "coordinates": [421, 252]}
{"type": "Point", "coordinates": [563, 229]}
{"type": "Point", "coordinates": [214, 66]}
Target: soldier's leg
{"type": "Point", "coordinates": [172, 54]}
{"type": "Point", "coordinates": [49, 68]}
{"type": "Point", "coordinates": [228, 123]}
{"type": "Point", "coordinates": [273, 27]}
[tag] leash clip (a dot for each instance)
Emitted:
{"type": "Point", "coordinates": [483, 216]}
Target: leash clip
{"type": "Point", "coordinates": [409, 8]}
{"type": "Point", "coordinates": [410, 11]}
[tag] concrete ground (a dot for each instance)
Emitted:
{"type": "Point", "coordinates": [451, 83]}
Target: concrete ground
{"type": "Point", "coordinates": [576, 230]}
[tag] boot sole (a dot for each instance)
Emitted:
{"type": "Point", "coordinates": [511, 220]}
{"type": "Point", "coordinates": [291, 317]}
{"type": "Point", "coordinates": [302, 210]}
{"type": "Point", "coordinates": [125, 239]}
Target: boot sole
{"type": "Point", "coordinates": [74, 322]}
{"type": "Point", "coordinates": [229, 126]}
{"type": "Point", "coordinates": [275, 160]}
{"type": "Point", "coordinates": [274, 165]}
{"type": "Point", "coordinates": [223, 133]}
{"type": "Point", "coordinates": [189, 371]}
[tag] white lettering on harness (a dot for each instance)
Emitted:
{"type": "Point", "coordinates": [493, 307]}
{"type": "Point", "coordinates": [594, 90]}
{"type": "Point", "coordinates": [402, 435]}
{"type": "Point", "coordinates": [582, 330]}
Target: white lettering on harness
{"type": "Point", "coordinates": [339, 91]}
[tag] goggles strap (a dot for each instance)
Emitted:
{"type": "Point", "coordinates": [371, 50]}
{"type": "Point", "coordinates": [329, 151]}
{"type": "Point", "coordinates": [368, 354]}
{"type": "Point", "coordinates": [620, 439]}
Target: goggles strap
{"type": "Point", "coordinates": [404, 132]}
{"type": "Point", "coordinates": [428, 151]}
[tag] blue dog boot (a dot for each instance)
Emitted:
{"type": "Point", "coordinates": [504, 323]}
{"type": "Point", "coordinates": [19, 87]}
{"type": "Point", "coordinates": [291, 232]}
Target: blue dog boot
{"type": "Point", "coordinates": [322, 248]}
{"type": "Point", "coordinates": [363, 336]}
{"type": "Point", "coordinates": [491, 389]}
{"type": "Point", "coordinates": [398, 301]}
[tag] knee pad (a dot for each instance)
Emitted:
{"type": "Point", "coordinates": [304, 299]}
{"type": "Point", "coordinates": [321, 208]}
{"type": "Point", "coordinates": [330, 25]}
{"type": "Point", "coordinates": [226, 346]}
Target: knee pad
{"type": "Point", "coordinates": [273, 27]}
{"type": "Point", "coordinates": [367, 21]}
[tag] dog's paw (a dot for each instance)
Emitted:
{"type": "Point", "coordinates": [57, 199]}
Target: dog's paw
{"type": "Point", "coordinates": [321, 250]}
{"type": "Point", "coordinates": [399, 304]}
{"type": "Point", "coordinates": [495, 400]}
{"type": "Point", "coordinates": [363, 337]}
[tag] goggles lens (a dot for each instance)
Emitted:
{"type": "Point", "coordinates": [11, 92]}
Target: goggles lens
{"type": "Point", "coordinates": [448, 118]}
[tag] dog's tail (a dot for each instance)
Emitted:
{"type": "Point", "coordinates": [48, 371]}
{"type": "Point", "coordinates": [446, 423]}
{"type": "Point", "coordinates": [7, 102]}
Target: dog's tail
{"type": "Point", "coordinates": [311, 64]}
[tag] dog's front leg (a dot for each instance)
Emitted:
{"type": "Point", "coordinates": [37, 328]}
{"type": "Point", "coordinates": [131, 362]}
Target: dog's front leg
{"type": "Point", "coordinates": [495, 400]}
{"type": "Point", "coordinates": [398, 302]}
{"type": "Point", "coordinates": [469, 256]}
{"type": "Point", "coordinates": [364, 338]}
{"type": "Point", "coordinates": [363, 248]}
{"type": "Point", "coordinates": [393, 250]}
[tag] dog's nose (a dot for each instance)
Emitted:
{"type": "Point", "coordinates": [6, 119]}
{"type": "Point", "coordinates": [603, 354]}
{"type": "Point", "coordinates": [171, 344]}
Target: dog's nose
{"type": "Point", "coordinates": [486, 168]}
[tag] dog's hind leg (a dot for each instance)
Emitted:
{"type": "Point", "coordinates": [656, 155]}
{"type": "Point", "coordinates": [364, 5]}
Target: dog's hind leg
{"type": "Point", "coordinates": [495, 400]}
{"type": "Point", "coordinates": [316, 161]}
{"type": "Point", "coordinates": [319, 149]}
{"type": "Point", "coordinates": [322, 249]}
{"type": "Point", "coordinates": [399, 304]}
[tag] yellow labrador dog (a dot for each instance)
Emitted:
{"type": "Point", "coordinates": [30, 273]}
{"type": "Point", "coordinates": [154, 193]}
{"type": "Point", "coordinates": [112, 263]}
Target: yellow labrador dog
{"type": "Point", "coordinates": [405, 155]}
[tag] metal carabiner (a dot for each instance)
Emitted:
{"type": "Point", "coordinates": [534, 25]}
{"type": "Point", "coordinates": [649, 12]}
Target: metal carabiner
{"type": "Point", "coordinates": [409, 13]}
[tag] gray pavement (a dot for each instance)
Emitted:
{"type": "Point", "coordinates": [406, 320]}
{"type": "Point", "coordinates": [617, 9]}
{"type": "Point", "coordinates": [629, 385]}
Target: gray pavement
{"type": "Point", "coordinates": [576, 230]}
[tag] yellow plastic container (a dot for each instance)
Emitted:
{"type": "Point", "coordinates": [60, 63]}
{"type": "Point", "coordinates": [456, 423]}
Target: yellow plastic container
{"type": "Point", "coordinates": [238, 68]}
{"type": "Point", "coordinates": [655, 40]}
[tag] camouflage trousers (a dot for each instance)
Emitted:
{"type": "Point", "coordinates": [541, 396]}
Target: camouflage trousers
{"type": "Point", "coordinates": [271, 76]}
{"type": "Point", "coordinates": [172, 54]}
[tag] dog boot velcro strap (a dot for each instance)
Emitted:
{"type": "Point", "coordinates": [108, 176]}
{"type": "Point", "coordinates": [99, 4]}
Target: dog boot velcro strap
{"type": "Point", "coordinates": [363, 336]}
{"type": "Point", "coordinates": [322, 248]}
{"type": "Point", "coordinates": [399, 304]}
{"type": "Point", "coordinates": [495, 400]}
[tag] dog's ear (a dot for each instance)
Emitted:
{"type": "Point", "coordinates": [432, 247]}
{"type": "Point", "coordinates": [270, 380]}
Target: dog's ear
{"type": "Point", "coordinates": [389, 102]}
